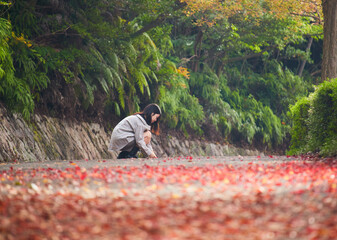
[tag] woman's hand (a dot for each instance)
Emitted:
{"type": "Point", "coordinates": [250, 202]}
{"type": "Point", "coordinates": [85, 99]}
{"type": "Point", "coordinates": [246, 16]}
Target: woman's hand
{"type": "Point", "coordinates": [152, 155]}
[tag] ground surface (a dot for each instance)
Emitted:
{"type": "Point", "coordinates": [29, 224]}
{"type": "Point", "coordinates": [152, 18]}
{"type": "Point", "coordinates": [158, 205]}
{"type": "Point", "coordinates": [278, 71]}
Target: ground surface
{"type": "Point", "coordinates": [267, 197]}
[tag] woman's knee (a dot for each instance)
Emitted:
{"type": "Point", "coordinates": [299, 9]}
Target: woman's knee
{"type": "Point", "coordinates": [147, 137]}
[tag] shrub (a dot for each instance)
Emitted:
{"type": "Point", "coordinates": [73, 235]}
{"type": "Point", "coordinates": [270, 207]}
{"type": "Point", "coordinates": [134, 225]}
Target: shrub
{"type": "Point", "coordinates": [299, 113]}
{"type": "Point", "coordinates": [315, 121]}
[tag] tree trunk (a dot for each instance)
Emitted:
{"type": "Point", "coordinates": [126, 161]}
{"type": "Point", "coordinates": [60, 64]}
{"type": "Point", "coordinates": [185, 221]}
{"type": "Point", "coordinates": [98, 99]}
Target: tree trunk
{"type": "Point", "coordinates": [300, 71]}
{"type": "Point", "coordinates": [329, 64]}
{"type": "Point", "coordinates": [197, 50]}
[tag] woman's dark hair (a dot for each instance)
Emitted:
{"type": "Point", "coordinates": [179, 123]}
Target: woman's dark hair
{"type": "Point", "coordinates": [147, 113]}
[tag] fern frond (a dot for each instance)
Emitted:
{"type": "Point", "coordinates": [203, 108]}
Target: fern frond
{"type": "Point", "coordinates": [150, 41]}
{"type": "Point", "coordinates": [114, 61]}
{"type": "Point", "coordinates": [139, 79]}
{"type": "Point", "coordinates": [121, 94]}
{"type": "Point", "coordinates": [171, 65]}
{"type": "Point", "coordinates": [90, 91]}
{"type": "Point", "coordinates": [96, 53]}
{"type": "Point", "coordinates": [116, 76]}
{"type": "Point", "coordinates": [104, 84]}
{"type": "Point", "coordinates": [148, 90]}
{"type": "Point", "coordinates": [130, 51]}
{"type": "Point", "coordinates": [122, 65]}
{"type": "Point", "coordinates": [117, 109]}
{"type": "Point", "coordinates": [154, 76]}
{"type": "Point", "coordinates": [109, 77]}
{"type": "Point", "coordinates": [2, 72]}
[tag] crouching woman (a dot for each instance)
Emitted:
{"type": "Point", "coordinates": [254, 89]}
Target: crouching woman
{"type": "Point", "coordinates": [134, 133]}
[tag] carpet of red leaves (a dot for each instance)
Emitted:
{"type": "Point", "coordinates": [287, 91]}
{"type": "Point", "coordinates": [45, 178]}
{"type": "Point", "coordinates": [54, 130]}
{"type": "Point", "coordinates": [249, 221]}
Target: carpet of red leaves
{"type": "Point", "coordinates": [253, 200]}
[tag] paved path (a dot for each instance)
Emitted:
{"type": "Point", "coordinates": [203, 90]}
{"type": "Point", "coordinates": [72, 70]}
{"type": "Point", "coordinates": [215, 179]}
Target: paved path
{"type": "Point", "coordinates": [234, 197]}
{"type": "Point", "coordinates": [169, 161]}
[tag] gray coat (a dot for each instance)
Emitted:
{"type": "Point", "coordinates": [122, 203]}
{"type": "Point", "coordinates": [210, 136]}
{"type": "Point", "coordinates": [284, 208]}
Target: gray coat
{"type": "Point", "coordinates": [130, 132]}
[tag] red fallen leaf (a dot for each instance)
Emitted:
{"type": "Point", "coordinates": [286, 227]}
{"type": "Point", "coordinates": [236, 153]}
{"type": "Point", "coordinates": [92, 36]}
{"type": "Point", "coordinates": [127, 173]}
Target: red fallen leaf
{"type": "Point", "coordinates": [81, 173]}
{"type": "Point", "coordinates": [258, 156]}
{"type": "Point", "coordinates": [83, 176]}
{"type": "Point", "coordinates": [183, 216]}
{"type": "Point", "coordinates": [270, 156]}
{"type": "Point", "coordinates": [299, 191]}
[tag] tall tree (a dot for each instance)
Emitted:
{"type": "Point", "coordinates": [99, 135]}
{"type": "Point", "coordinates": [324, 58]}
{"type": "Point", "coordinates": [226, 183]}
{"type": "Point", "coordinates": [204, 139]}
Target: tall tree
{"type": "Point", "coordinates": [329, 64]}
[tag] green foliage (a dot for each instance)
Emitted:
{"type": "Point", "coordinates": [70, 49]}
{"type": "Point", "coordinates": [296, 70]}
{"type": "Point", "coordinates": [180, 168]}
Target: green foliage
{"type": "Point", "coordinates": [181, 109]}
{"type": "Point", "coordinates": [315, 121]}
{"type": "Point", "coordinates": [5, 56]}
{"type": "Point", "coordinates": [226, 81]}
{"type": "Point", "coordinates": [19, 87]}
{"type": "Point", "coordinates": [275, 87]}
{"type": "Point", "coordinates": [97, 55]}
{"type": "Point", "coordinates": [24, 18]}
{"type": "Point", "coordinates": [121, 55]}
{"type": "Point", "coordinates": [254, 121]}
{"type": "Point", "coordinates": [299, 113]}
{"type": "Point", "coordinates": [231, 111]}
{"type": "Point", "coordinates": [125, 66]}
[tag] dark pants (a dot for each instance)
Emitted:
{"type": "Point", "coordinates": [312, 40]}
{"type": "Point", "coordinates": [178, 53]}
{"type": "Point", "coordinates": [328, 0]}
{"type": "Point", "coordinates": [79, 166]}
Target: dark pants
{"type": "Point", "coordinates": [131, 154]}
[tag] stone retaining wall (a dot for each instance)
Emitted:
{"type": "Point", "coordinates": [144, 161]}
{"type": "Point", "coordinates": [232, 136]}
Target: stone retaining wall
{"type": "Point", "coordinates": [48, 138]}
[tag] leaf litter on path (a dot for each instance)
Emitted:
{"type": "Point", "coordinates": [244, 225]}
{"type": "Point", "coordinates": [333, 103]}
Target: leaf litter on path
{"type": "Point", "coordinates": [174, 199]}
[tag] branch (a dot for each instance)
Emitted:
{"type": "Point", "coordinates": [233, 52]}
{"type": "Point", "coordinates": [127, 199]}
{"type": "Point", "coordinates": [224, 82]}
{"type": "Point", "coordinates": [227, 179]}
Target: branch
{"type": "Point", "coordinates": [307, 15]}
{"type": "Point", "coordinates": [316, 72]}
{"type": "Point", "coordinates": [149, 26]}
{"type": "Point", "coordinates": [313, 35]}
{"type": "Point", "coordinates": [244, 57]}
{"type": "Point", "coordinates": [158, 20]}
{"type": "Point", "coordinates": [183, 61]}
{"type": "Point", "coordinates": [235, 59]}
{"type": "Point", "coordinates": [59, 32]}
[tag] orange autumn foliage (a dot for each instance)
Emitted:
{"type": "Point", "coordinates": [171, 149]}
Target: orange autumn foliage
{"type": "Point", "coordinates": [184, 71]}
{"type": "Point", "coordinates": [209, 11]}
